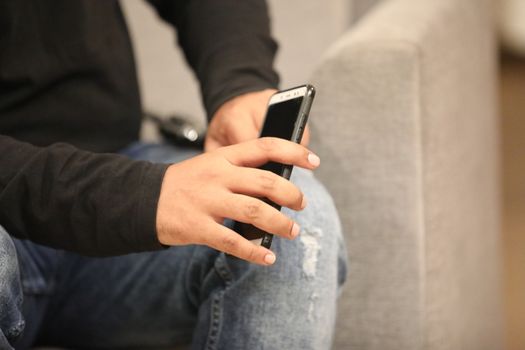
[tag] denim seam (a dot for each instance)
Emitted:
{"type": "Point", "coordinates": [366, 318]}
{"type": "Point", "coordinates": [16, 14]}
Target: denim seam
{"type": "Point", "coordinates": [216, 316]}
{"type": "Point", "coordinates": [224, 272]}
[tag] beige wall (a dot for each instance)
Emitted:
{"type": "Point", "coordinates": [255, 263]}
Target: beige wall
{"type": "Point", "coordinates": [512, 24]}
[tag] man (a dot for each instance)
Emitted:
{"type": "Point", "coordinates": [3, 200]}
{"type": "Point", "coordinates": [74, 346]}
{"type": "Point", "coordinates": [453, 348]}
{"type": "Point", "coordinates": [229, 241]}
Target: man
{"type": "Point", "coordinates": [69, 102]}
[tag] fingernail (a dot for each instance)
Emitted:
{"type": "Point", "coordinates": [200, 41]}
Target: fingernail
{"type": "Point", "coordinates": [304, 202]}
{"type": "Point", "coordinates": [295, 230]}
{"type": "Point", "coordinates": [269, 258]}
{"type": "Point", "coordinates": [314, 159]}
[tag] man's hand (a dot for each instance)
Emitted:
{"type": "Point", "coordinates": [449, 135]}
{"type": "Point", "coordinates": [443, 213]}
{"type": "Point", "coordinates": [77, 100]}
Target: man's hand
{"type": "Point", "coordinates": [240, 119]}
{"type": "Point", "coordinates": [198, 194]}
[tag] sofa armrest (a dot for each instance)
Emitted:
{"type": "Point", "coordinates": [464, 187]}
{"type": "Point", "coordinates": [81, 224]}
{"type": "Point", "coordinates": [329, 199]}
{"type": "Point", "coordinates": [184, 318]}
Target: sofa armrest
{"type": "Point", "coordinates": [405, 123]}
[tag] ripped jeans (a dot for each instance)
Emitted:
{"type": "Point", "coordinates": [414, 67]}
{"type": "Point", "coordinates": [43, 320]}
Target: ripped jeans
{"type": "Point", "coordinates": [182, 295]}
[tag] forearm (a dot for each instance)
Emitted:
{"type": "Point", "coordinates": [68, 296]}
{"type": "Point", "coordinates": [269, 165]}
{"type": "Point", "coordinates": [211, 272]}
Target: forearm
{"type": "Point", "coordinates": [94, 204]}
{"type": "Point", "coordinates": [227, 43]}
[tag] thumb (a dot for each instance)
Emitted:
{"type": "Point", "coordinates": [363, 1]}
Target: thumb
{"type": "Point", "coordinates": [241, 130]}
{"type": "Point", "coordinates": [230, 132]}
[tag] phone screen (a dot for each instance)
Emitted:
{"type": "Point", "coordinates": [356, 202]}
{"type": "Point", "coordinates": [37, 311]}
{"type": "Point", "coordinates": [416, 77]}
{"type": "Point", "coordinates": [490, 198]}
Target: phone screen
{"type": "Point", "coordinates": [280, 122]}
{"type": "Point", "coordinates": [281, 117]}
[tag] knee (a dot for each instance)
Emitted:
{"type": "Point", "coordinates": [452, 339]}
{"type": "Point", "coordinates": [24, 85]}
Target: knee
{"type": "Point", "coordinates": [316, 193]}
{"type": "Point", "coordinates": [320, 211]}
{"type": "Point", "coordinates": [11, 322]}
{"type": "Point", "coordinates": [321, 235]}
{"type": "Point", "coordinates": [8, 259]}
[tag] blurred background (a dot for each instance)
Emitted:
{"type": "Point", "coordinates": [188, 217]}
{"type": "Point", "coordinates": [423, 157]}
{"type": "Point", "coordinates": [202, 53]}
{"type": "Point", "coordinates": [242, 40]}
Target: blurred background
{"type": "Point", "coordinates": [306, 29]}
{"type": "Point", "coordinates": [512, 116]}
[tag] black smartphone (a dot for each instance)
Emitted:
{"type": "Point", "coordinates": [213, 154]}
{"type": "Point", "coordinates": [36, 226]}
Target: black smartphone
{"type": "Point", "coordinates": [286, 118]}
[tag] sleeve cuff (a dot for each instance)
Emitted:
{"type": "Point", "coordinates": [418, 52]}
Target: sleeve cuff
{"type": "Point", "coordinates": [145, 235]}
{"type": "Point", "coordinates": [247, 86]}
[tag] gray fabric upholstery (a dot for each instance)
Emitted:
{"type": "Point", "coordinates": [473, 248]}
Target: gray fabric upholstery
{"type": "Point", "coordinates": [405, 124]}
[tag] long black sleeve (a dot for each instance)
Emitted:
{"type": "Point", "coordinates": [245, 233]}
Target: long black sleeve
{"type": "Point", "coordinates": [226, 42]}
{"type": "Point", "coordinates": [94, 204]}
{"type": "Point", "coordinates": [67, 74]}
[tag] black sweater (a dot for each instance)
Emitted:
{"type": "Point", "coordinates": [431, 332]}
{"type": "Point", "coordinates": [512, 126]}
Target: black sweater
{"type": "Point", "coordinates": [69, 97]}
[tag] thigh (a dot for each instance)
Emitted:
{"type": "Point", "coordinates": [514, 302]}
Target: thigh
{"type": "Point", "coordinates": [26, 287]}
{"type": "Point", "coordinates": [145, 300]}
{"type": "Point", "coordinates": [289, 305]}
{"type": "Point", "coordinates": [11, 319]}
{"type": "Point", "coordinates": [138, 300]}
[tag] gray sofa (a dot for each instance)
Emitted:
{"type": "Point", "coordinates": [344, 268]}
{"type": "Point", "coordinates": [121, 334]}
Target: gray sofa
{"type": "Point", "coordinates": [405, 123]}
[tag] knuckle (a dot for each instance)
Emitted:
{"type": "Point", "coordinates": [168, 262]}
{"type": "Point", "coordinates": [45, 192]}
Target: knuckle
{"type": "Point", "coordinates": [283, 225]}
{"type": "Point", "coordinates": [251, 255]}
{"type": "Point", "coordinates": [294, 197]}
{"type": "Point", "coordinates": [287, 228]}
{"type": "Point", "coordinates": [268, 180]}
{"type": "Point", "coordinates": [252, 210]}
{"type": "Point", "coordinates": [266, 143]}
{"type": "Point", "coordinates": [229, 243]}
{"type": "Point", "coordinates": [295, 194]}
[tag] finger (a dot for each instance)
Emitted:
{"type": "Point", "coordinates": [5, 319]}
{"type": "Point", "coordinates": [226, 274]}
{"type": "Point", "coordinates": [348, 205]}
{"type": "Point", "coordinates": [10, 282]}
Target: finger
{"type": "Point", "coordinates": [257, 213]}
{"type": "Point", "coordinates": [305, 140]}
{"type": "Point", "coordinates": [262, 183]}
{"type": "Point", "coordinates": [263, 150]}
{"type": "Point", "coordinates": [243, 129]}
{"type": "Point", "coordinates": [230, 242]}
{"type": "Point", "coordinates": [229, 133]}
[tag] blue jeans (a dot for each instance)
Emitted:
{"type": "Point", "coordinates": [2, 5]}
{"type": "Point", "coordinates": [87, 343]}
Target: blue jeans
{"type": "Point", "coordinates": [182, 295]}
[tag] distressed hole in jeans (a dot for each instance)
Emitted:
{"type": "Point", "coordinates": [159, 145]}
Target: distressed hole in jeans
{"type": "Point", "coordinates": [310, 238]}
{"type": "Point", "coordinates": [311, 307]}
{"type": "Point", "coordinates": [15, 331]}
